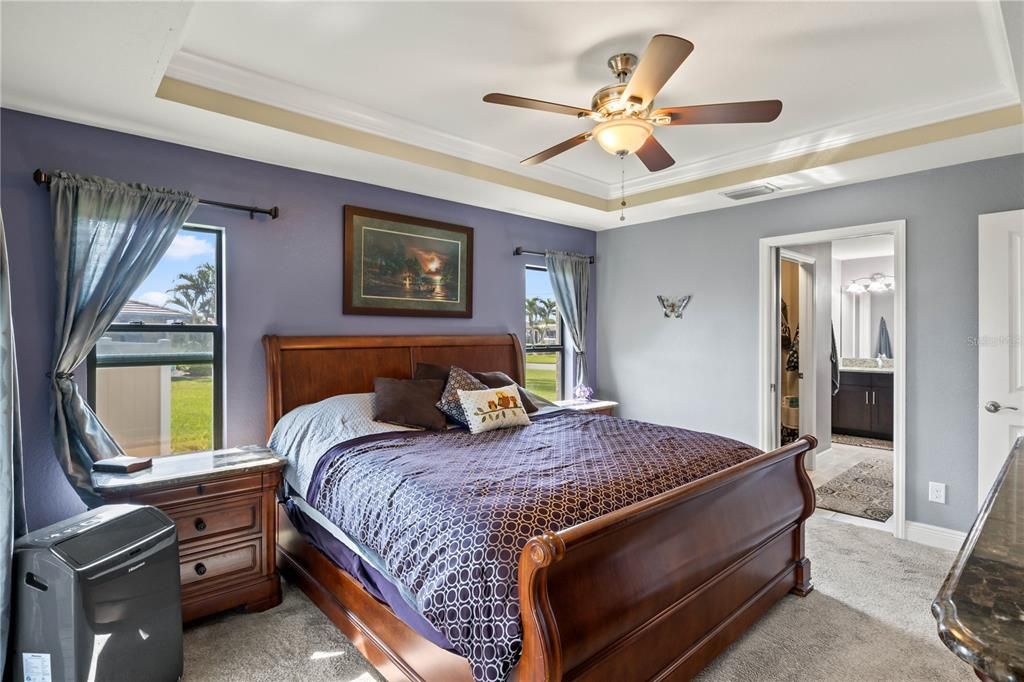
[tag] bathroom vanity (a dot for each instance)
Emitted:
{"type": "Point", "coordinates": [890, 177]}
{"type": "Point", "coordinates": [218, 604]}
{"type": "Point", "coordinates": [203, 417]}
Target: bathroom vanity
{"type": "Point", "coordinates": [864, 404]}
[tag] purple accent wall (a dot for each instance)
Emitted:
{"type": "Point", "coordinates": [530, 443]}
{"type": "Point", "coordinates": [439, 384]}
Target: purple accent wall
{"type": "Point", "coordinates": [282, 277]}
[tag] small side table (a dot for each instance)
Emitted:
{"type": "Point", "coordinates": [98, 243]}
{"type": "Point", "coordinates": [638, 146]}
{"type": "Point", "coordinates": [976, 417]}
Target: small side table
{"type": "Point", "coordinates": [606, 407]}
{"type": "Point", "coordinates": [224, 505]}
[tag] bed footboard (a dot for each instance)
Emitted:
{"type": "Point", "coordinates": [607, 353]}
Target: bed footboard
{"type": "Point", "coordinates": [658, 589]}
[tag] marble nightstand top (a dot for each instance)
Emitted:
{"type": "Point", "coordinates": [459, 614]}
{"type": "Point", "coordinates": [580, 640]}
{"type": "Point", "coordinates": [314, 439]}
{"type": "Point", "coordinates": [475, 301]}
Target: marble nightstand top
{"type": "Point", "coordinates": [587, 405]}
{"type": "Point", "coordinates": [980, 608]}
{"type": "Point", "coordinates": [170, 470]}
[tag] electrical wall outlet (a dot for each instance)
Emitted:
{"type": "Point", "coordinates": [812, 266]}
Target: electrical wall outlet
{"type": "Point", "coordinates": [936, 492]}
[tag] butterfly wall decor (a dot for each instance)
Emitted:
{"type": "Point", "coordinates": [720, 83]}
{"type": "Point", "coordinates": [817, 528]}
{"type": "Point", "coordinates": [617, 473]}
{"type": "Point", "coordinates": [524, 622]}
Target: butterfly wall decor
{"type": "Point", "coordinates": [674, 306]}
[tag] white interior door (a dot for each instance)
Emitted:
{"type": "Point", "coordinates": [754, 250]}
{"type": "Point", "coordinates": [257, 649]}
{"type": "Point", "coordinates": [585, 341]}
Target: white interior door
{"type": "Point", "coordinates": [808, 358]}
{"type": "Point", "coordinates": [1000, 341]}
{"type": "Point", "coordinates": [775, 354]}
{"type": "Point", "coordinates": [808, 348]}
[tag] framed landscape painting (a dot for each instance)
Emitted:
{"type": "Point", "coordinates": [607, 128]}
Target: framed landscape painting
{"type": "Point", "coordinates": [399, 265]}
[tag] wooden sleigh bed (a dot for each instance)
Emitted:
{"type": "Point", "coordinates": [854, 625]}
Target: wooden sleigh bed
{"type": "Point", "coordinates": [655, 590]}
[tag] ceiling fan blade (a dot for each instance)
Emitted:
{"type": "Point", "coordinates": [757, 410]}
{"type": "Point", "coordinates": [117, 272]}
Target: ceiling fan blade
{"type": "Point", "coordinates": [538, 104]}
{"type": "Point", "coordinates": [762, 111]}
{"type": "Point", "coordinates": [654, 156]}
{"type": "Point", "coordinates": [556, 150]}
{"type": "Point", "coordinates": [660, 60]}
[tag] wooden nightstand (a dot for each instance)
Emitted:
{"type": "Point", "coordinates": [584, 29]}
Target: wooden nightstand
{"type": "Point", "coordinates": [224, 505]}
{"type": "Point", "coordinates": [599, 406]}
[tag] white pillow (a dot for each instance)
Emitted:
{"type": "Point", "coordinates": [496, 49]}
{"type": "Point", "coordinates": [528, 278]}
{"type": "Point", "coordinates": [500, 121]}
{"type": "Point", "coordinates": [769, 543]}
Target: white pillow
{"type": "Point", "coordinates": [495, 408]}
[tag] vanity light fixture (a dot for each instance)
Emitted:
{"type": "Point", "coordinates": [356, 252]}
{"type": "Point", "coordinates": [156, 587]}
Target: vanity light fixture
{"type": "Point", "coordinates": [876, 283]}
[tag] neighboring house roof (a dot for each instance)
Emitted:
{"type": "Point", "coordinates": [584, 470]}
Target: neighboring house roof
{"type": "Point", "coordinates": [138, 311]}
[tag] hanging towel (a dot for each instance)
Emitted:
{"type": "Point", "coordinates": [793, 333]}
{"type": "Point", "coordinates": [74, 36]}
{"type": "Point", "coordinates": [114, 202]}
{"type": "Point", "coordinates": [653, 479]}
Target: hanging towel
{"type": "Point", "coordinates": [834, 360]}
{"type": "Point", "coordinates": [884, 349]}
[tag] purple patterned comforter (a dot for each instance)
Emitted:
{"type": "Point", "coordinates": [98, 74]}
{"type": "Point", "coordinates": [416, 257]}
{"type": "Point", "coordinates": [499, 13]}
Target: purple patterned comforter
{"type": "Point", "coordinates": [450, 512]}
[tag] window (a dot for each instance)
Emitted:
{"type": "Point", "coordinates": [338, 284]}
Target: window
{"type": "Point", "coordinates": [155, 377]}
{"type": "Point", "coordinates": [544, 350]}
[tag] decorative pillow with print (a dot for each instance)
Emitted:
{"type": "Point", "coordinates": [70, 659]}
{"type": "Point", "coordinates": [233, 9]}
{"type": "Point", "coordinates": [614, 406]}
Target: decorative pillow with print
{"type": "Point", "coordinates": [494, 408]}
{"type": "Point", "coordinates": [458, 380]}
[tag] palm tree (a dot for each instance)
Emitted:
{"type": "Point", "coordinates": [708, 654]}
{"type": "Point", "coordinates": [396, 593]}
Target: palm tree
{"type": "Point", "coordinates": [533, 312]}
{"type": "Point", "coordinates": [549, 314]}
{"type": "Point", "coordinates": [197, 293]}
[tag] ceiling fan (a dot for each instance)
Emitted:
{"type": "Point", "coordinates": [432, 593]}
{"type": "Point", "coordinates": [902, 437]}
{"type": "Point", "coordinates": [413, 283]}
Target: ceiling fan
{"type": "Point", "coordinates": [625, 113]}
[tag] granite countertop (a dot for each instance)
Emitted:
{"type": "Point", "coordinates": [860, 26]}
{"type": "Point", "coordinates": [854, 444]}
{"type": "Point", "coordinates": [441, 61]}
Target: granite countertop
{"type": "Point", "coordinates": [180, 469]}
{"type": "Point", "coordinates": [980, 608]}
{"type": "Point", "coordinates": [867, 365]}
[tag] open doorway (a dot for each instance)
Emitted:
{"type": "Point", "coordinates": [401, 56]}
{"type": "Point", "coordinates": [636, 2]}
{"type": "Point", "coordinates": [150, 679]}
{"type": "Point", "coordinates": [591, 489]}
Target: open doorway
{"type": "Point", "coordinates": [855, 477]}
{"type": "Point", "coordinates": [832, 340]}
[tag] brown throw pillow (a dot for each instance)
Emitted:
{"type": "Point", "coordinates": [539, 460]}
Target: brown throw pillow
{"type": "Point", "coordinates": [425, 370]}
{"type": "Point", "coordinates": [500, 380]}
{"type": "Point", "coordinates": [409, 402]}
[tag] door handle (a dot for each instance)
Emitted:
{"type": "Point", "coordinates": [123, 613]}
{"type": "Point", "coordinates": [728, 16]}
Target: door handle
{"type": "Point", "coordinates": [872, 397]}
{"type": "Point", "coordinates": [866, 402]}
{"type": "Point", "coordinates": [992, 407]}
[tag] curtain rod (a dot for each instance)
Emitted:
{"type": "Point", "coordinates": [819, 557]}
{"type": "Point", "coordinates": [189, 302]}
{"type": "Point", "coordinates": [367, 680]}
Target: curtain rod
{"type": "Point", "coordinates": [520, 251]}
{"type": "Point", "coordinates": [42, 178]}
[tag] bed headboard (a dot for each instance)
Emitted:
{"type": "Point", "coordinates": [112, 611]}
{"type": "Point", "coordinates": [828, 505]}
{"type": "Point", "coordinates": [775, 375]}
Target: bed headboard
{"type": "Point", "coordinates": [305, 369]}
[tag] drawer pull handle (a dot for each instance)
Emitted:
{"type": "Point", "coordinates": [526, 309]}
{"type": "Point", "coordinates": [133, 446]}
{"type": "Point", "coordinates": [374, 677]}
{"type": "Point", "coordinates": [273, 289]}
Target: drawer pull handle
{"type": "Point", "coordinates": [200, 568]}
{"type": "Point", "coordinates": [200, 524]}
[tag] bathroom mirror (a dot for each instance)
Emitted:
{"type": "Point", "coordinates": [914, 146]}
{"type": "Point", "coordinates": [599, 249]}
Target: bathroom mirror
{"type": "Point", "coordinates": [863, 295]}
{"type": "Point", "coordinates": [861, 323]}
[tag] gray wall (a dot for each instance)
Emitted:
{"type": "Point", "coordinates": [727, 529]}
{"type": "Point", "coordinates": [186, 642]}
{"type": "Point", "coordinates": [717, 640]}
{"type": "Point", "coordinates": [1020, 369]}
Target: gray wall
{"type": "Point", "coordinates": [701, 372]}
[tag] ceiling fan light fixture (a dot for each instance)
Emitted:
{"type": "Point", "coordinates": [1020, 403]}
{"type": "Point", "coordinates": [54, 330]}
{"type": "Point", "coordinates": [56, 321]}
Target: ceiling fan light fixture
{"type": "Point", "coordinates": [623, 135]}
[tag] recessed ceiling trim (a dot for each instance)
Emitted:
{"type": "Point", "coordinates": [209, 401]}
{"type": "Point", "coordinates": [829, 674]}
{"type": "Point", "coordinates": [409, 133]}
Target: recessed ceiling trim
{"type": "Point", "coordinates": [216, 101]}
{"type": "Point", "coordinates": [822, 139]}
{"type": "Point", "coordinates": [216, 75]}
{"type": "Point", "coordinates": [936, 132]}
{"type": "Point", "coordinates": [998, 40]}
{"type": "Point", "coordinates": [265, 114]}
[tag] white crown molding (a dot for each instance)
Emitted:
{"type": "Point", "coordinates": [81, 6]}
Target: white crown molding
{"type": "Point", "coordinates": [998, 39]}
{"type": "Point", "coordinates": [825, 138]}
{"type": "Point", "coordinates": [935, 536]}
{"type": "Point", "coordinates": [409, 177]}
{"type": "Point", "coordinates": [217, 75]}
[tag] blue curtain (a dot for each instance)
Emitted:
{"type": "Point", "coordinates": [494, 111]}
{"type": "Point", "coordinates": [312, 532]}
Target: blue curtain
{"type": "Point", "coordinates": [108, 236]}
{"type": "Point", "coordinates": [12, 520]}
{"type": "Point", "coordinates": [570, 280]}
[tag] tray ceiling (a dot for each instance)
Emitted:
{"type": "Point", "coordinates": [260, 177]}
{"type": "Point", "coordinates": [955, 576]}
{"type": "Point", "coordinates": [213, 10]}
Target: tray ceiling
{"type": "Point", "coordinates": [414, 74]}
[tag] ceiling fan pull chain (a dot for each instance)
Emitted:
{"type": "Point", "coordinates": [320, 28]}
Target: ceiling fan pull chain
{"type": "Point", "coordinates": [622, 190]}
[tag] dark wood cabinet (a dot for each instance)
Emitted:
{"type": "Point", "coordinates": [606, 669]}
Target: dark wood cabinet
{"type": "Point", "coordinates": [224, 505]}
{"type": "Point", "coordinates": [864, 405]}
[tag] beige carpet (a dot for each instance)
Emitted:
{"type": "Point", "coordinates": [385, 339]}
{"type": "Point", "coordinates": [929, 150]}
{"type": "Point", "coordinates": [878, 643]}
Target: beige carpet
{"type": "Point", "coordinates": [868, 619]}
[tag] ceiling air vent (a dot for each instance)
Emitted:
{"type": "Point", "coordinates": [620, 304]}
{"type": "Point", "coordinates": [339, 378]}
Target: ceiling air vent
{"type": "Point", "coordinates": [750, 192]}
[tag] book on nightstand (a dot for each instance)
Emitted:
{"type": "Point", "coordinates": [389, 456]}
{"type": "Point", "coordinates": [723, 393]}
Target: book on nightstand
{"type": "Point", "coordinates": [123, 464]}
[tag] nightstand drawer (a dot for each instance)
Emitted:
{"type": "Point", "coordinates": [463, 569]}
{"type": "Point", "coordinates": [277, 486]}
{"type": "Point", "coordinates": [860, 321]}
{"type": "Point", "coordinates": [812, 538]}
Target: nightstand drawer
{"type": "Point", "coordinates": [241, 515]}
{"type": "Point", "coordinates": [238, 561]}
{"type": "Point", "coordinates": [199, 491]}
